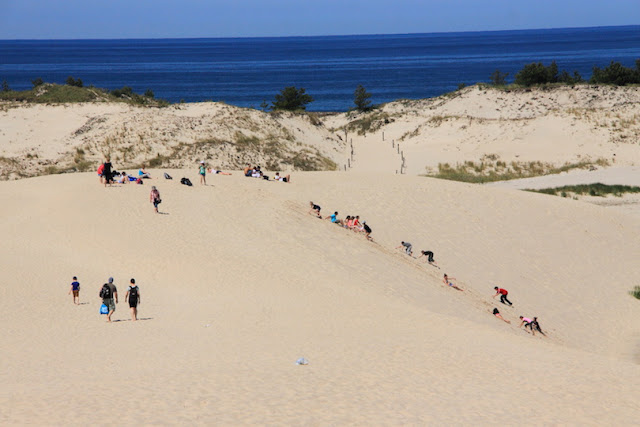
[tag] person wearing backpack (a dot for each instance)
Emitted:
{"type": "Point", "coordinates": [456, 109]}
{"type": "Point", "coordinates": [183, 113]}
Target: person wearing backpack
{"type": "Point", "coordinates": [109, 295]}
{"type": "Point", "coordinates": [133, 297]}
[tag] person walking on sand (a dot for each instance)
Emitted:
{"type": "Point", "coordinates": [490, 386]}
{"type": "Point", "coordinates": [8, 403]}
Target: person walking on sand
{"type": "Point", "coordinates": [499, 316]}
{"type": "Point", "coordinates": [408, 248]}
{"type": "Point", "coordinates": [203, 173]}
{"type": "Point", "coordinates": [133, 297]}
{"type": "Point", "coordinates": [503, 295]}
{"type": "Point", "coordinates": [75, 288]}
{"type": "Point", "coordinates": [109, 295]}
{"type": "Point", "coordinates": [448, 281]}
{"type": "Point", "coordinates": [154, 197]}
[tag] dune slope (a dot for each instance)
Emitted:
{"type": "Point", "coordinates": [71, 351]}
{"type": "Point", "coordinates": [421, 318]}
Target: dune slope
{"type": "Point", "coordinates": [238, 281]}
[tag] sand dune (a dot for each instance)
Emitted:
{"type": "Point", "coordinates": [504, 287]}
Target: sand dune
{"type": "Point", "coordinates": [238, 282]}
{"type": "Point", "coordinates": [559, 125]}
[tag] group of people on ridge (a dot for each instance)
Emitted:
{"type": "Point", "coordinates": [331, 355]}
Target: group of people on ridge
{"type": "Point", "coordinates": [351, 222]}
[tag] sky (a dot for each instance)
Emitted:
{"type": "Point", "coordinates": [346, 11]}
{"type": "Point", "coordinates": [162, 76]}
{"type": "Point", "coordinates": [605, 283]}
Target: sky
{"type": "Point", "coordinates": [113, 19]}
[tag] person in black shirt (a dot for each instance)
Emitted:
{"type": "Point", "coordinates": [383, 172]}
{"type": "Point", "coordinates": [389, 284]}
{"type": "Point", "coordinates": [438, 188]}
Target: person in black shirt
{"type": "Point", "coordinates": [108, 178]}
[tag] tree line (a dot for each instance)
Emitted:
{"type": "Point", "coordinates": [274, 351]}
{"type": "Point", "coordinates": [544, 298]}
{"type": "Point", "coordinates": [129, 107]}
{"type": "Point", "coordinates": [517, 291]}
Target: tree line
{"type": "Point", "coordinates": [292, 98]}
{"type": "Point", "coordinates": [537, 73]}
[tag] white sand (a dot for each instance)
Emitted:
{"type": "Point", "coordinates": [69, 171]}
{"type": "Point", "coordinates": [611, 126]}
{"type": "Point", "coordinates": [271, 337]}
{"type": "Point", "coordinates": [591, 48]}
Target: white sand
{"type": "Point", "coordinates": [238, 282]}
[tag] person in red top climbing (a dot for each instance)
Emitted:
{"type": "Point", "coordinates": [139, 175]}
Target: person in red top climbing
{"type": "Point", "coordinates": [503, 295]}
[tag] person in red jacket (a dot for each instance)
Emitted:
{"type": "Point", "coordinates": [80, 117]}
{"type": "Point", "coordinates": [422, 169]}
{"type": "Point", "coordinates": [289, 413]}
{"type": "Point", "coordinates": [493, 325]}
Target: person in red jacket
{"type": "Point", "coordinates": [503, 295]}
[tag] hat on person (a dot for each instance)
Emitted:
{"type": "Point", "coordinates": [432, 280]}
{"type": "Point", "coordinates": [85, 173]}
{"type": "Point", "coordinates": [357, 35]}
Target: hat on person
{"type": "Point", "coordinates": [202, 162]}
{"type": "Point", "coordinates": [110, 279]}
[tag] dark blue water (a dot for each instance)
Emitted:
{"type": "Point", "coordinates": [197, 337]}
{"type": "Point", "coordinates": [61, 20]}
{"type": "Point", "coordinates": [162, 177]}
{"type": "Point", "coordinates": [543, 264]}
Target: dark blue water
{"type": "Point", "coordinates": [247, 71]}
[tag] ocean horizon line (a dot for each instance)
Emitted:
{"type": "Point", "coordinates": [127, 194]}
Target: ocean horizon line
{"type": "Point", "coordinates": [326, 36]}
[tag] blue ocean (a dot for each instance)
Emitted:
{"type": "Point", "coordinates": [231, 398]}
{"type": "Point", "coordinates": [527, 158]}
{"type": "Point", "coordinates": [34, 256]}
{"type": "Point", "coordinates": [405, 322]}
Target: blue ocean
{"type": "Point", "coordinates": [248, 71]}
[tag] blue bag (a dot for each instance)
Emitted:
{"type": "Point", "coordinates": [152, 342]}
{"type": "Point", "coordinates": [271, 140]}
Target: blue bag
{"type": "Point", "coordinates": [104, 309]}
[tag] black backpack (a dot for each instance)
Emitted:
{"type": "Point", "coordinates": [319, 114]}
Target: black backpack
{"type": "Point", "coordinates": [105, 292]}
{"type": "Point", "coordinates": [186, 181]}
{"type": "Point", "coordinates": [133, 292]}
{"type": "Point", "coordinates": [167, 176]}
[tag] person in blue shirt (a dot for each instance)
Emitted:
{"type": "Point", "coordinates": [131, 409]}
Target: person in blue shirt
{"type": "Point", "coordinates": [75, 288]}
{"type": "Point", "coordinates": [334, 218]}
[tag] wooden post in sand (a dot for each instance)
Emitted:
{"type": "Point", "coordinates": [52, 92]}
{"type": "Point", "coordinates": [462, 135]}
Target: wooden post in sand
{"type": "Point", "coordinates": [398, 148]}
{"type": "Point", "coordinates": [393, 143]}
{"type": "Point", "coordinates": [349, 162]}
{"type": "Point", "coordinates": [383, 136]}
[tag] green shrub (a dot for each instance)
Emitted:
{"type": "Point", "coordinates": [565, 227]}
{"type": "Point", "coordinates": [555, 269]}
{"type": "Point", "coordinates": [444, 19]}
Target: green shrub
{"type": "Point", "coordinates": [635, 292]}
{"type": "Point", "coordinates": [617, 74]}
{"type": "Point", "coordinates": [498, 78]}
{"type": "Point", "coordinates": [292, 99]}
{"type": "Point", "coordinates": [73, 82]}
{"type": "Point", "coordinates": [593, 190]}
{"type": "Point", "coordinates": [361, 99]}
{"type": "Point", "coordinates": [490, 169]}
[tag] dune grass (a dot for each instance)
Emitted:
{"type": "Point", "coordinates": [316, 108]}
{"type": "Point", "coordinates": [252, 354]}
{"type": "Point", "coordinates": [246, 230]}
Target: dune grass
{"type": "Point", "coordinates": [635, 292]}
{"type": "Point", "coordinates": [595, 190]}
{"type": "Point", "coordinates": [490, 169]}
{"type": "Point", "coordinates": [50, 93]}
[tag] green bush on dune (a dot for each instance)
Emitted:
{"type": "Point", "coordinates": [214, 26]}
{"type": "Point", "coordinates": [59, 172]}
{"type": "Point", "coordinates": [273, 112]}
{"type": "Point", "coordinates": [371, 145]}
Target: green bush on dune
{"type": "Point", "coordinates": [75, 91]}
{"type": "Point", "coordinates": [490, 169]}
{"type": "Point", "coordinates": [594, 190]}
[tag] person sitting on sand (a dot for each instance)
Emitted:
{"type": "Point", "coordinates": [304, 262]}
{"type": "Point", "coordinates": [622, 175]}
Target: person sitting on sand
{"type": "Point", "coordinates": [143, 174]}
{"type": "Point", "coordinates": [247, 170]}
{"type": "Point", "coordinates": [408, 248]}
{"type": "Point", "coordinates": [429, 256]}
{"type": "Point", "coordinates": [154, 197]}
{"type": "Point", "coordinates": [334, 218]}
{"type": "Point", "coordinates": [348, 222]}
{"type": "Point", "coordinates": [503, 295]}
{"type": "Point", "coordinates": [286, 178]}
{"type": "Point", "coordinates": [315, 209]}
{"type": "Point", "coordinates": [448, 281]}
{"type": "Point", "coordinates": [355, 226]}
{"type": "Point", "coordinates": [499, 316]}
{"type": "Point", "coordinates": [122, 178]}
{"type": "Point", "coordinates": [216, 171]}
